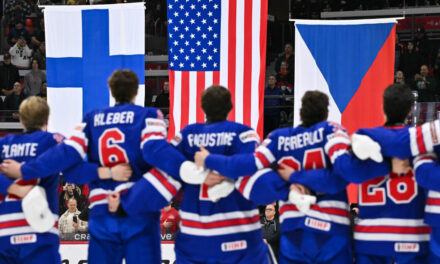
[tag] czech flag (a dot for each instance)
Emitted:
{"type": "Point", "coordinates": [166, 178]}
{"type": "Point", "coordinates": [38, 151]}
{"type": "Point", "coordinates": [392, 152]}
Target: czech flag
{"type": "Point", "coordinates": [352, 61]}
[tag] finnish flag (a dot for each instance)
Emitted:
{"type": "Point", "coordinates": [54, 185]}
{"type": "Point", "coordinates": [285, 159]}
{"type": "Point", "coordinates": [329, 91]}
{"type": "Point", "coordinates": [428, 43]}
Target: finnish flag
{"type": "Point", "coordinates": [84, 45]}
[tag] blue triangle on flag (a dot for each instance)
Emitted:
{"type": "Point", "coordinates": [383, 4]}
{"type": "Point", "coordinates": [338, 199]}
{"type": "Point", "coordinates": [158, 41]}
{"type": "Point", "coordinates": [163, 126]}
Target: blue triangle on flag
{"type": "Point", "coordinates": [344, 54]}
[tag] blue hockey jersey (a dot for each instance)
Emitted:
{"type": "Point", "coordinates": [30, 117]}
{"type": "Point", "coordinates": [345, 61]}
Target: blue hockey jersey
{"type": "Point", "coordinates": [302, 149]}
{"type": "Point", "coordinates": [391, 207]}
{"type": "Point", "coordinates": [14, 229]}
{"type": "Point", "coordinates": [210, 229]}
{"type": "Point", "coordinates": [124, 133]}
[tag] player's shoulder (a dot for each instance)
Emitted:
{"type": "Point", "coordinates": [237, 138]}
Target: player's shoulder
{"type": "Point", "coordinates": [246, 134]}
{"type": "Point", "coordinates": [152, 112]}
{"type": "Point", "coordinates": [50, 138]}
{"type": "Point", "coordinates": [41, 137]}
{"type": "Point", "coordinates": [330, 126]}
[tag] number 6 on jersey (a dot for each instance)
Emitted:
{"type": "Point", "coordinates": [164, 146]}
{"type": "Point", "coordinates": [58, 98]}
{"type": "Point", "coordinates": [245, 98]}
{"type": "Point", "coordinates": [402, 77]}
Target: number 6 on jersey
{"type": "Point", "coordinates": [110, 153]}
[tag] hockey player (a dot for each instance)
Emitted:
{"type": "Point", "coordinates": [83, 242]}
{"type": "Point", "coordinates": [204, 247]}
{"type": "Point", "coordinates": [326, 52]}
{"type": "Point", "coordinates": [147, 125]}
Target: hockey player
{"type": "Point", "coordinates": [32, 237]}
{"type": "Point", "coordinates": [124, 133]}
{"type": "Point", "coordinates": [391, 208]}
{"type": "Point", "coordinates": [322, 234]}
{"type": "Point", "coordinates": [227, 229]}
{"type": "Point", "coordinates": [422, 143]}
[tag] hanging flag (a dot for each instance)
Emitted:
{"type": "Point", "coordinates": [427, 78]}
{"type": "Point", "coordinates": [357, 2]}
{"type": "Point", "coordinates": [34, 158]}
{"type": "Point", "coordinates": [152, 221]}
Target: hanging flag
{"type": "Point", "coordinates": [217, 42]}
{"type": "Point", "coordinates": [352, 61]}
{"type": "Point", "coordinates": [84, 45]}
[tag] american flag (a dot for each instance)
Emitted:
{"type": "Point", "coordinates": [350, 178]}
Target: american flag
{"type": "Point", "coordinates": [216, 42]}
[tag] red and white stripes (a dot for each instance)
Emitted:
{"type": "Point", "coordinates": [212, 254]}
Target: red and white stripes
{"type": "Point", "coordinates": [99, 196]}
{"type": "Point", "coordinates": [16, 224]}
{"type": "Point", "coordinates": [163, 183]}
{"type": "Point", "coordinates": [423, 159]}
{"type": "Point", "coordinates": [263, 157]}
{"type": "Point", "coordinates": [219, 224]}
{"type": "Point", "coordinates": [337, 145]}
{"type": "Point", "coordinates": [245, 184]}
{"type": "Point", "coordinates": [433, 203]}
{"type": "Point", "coordinates": [78, 140]}
{"type": "Point", "coordinates": [392, 229]}
{"type": "Point", "coordinates": [155, 128]}
{"type": "Point", "coordinates": [242, 69]}
{"type": "Point", "coordinates": [423, 138]}
{"type": "Point", "coordinates": [328, 210]}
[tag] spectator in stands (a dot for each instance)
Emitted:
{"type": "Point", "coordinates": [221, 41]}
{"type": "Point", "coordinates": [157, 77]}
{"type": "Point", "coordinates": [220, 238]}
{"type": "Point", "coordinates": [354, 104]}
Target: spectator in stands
{"type": "Point", "coordinates": [17, 32]}
{"type": "Point", "coordinates": [8, 75]}
{"type": "Point", "coordinates": [71, 191]}
{"type": "Point", "coordinates": [410, 62]}
{"type": "Point", "coordinates": [21, 54]}
{"type": "Point", "coordinates": [40, 56]}
{"type": "Point", "coordinates": [425, 85]}
{"type": "Point", "coordinates": [399, 77]}
{"type": "Point", "coordinates": [39, 35]}
{"type": "Point", "coordinates": [17, 11]}
{"type": "Point", "coordinates": [34, 80]}
{"type": "Point", "coordinates": [169, 219]}
{"type": "Point", "coordinates": [271, 228]}
{"type": "Point", "coordinates": [69, 221]}
{"type": "Point", "coordinates": [13, 101]}
{"type": "Point", "coordinates": [285, 79]}
{"type": "Point", "coordinates": [43, 93]}
{"type": "Point", "coordinates": [271, 105]}
{"type": "Point", "coordinates": [423, 44]}
{"type": "Point", "coordinates": [400, 50]}
{"type": "Point", "coordinates": [163, 99]}
{"type": "Point", "coordinates": [287, 57]}
{"type": "Point", "coordinates": [159, 17]}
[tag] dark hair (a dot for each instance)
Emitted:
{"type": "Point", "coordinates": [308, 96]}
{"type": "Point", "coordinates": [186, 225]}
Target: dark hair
{"type": "Point", "coordinates": [123, 85]}
{"type": "Point", "coordinates": [397, 102]}
{"type": "Point", "coordinates": [216, 103]}
{"type": "Point", "coordinates": [314, 108]}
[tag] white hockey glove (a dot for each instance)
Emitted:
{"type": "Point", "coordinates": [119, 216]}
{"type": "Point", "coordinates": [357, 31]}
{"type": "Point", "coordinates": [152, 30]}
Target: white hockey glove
{"type": "Point", "coordinates": [192, 174]}
{"type": "Point", "coordinates": [221, 190]}
{"type": "Point", "coordinates": [365, 148]}
{"type": "Point", "coordinates": [36, 210]}
{"type": "Point", "coordinates": [302, 201]}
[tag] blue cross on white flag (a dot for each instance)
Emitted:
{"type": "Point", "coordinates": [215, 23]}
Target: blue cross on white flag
{"type": "Point", "coordinates": [85, 44]}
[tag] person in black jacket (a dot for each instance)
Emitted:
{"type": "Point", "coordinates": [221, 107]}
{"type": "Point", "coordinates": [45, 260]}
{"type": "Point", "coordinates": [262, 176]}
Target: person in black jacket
{"type": "Point", "coordinates": [13, 100]}
{"type": "Point", "coordinates": [410, 62]}
{"type": "Point", "coordinates": [271, 228]}
{"type": "Point", "coordinates": [8, 75]}
{"type": "Point", "coordinates": [163, 99]}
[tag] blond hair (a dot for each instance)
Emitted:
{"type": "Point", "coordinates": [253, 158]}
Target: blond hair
{"type": "Point", "coordinates": [34, 112]}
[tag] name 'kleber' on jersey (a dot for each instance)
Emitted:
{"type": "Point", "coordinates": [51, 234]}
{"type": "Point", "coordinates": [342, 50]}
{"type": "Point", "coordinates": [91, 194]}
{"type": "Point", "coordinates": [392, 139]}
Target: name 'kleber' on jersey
{"type": "Point", "coordinates": [124, 133]}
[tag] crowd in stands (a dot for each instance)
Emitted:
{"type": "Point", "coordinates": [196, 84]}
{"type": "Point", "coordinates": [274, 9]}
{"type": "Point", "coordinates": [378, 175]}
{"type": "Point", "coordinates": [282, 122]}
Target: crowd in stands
{"type": "Point", "coordinates": [418, 65]}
